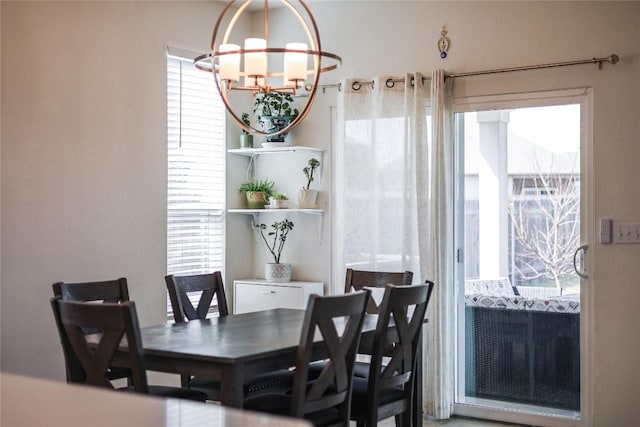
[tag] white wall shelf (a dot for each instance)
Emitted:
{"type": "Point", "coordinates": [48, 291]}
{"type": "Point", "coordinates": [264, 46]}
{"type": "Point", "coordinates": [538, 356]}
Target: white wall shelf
{"type": "Point", "coordinates": [267, 211]}
{"type": "Point", "coordinates": [275, 150]}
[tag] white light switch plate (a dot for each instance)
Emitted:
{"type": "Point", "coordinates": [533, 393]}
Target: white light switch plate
{"type": "Point", "coordinates": [627, 233]}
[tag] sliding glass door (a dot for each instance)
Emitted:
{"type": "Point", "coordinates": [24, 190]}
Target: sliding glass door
{"type": "Point", "coordinates": [518, 233]}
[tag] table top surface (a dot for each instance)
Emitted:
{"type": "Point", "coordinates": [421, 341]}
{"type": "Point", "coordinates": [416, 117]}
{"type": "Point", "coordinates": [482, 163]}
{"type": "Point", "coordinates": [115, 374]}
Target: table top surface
{"type": "Point", "coordinates": [32, 402]}
{"type": "Point", "coordinates": [241, 337]}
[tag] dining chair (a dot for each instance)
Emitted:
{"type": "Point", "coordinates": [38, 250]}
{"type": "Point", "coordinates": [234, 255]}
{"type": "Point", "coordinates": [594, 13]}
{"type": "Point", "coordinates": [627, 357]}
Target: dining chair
{"type": "Point", "coordinates": [110, 323]}
{"type": "Point", "coordinates": [106, 291]}
{"type": "Point", "coordinates": [375, 281]}
{"type": "Point", "coordinates": [112, 291]}
{"type": "Point", "coordinates": [357, 280]}
{"type": "Point", "coordinates": [325, 400]}
{"type": "Point", "coordinates": [387, 389]}
{"type": "Point", "coordinates": [208, 286]}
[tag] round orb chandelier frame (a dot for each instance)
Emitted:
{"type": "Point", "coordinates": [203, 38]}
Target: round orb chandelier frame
{"type": "Point", "coordinates": [260, 84]}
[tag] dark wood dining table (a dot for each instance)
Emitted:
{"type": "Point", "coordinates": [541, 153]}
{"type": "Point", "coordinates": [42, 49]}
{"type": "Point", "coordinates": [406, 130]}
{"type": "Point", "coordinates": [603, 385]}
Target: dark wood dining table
{"type": "Point", "coordinates": [229, 349]}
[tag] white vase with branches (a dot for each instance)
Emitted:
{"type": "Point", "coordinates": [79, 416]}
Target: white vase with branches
{"type": "Point", "coordinates": [307, 197]}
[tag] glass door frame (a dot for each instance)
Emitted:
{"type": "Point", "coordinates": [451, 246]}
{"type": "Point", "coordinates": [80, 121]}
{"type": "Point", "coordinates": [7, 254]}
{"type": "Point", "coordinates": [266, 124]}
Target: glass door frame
{"type": "Point", "coordinates": [583, 97]}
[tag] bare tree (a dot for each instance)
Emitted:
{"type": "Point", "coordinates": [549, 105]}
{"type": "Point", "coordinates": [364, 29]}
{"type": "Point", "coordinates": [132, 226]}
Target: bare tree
{"type": "Point", "coordinates": [546, 227]}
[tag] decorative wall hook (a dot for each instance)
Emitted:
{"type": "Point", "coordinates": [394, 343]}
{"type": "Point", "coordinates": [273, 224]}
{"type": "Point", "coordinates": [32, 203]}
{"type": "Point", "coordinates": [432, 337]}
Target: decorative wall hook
{"type": "Point", "coordinates": [443, 42]}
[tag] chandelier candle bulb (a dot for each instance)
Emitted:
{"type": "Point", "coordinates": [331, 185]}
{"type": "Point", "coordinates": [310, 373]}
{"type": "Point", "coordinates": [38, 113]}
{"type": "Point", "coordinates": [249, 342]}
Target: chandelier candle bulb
{"type": "Point", "coordinates": [295, 64]}
{"type": "Point", "coordinates": [255, 63]}
{"type": "Point", "coordinates": [229, 63]}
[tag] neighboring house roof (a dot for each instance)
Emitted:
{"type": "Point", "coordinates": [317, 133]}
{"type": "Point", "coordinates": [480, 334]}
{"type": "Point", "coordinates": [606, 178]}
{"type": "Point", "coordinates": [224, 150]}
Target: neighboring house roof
{"type": "Point", "coordinates": [526, 158]}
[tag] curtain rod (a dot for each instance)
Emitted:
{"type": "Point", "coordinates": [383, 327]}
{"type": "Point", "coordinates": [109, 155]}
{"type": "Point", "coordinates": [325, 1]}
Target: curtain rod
{"type": "Point", "coordinates": [611, 59]}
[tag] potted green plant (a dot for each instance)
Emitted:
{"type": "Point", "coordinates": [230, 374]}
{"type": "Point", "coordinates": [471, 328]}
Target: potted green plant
{"type": "Point", "coordinates": [246, 139]}
{"type": "Point", "coordinates": [306, 196]}
{"type": "Point", "coordinates": [274, 111]}
{"type": "Point", "coordinates": [276, 271]}
{"type": "Point", "coordinates": [257, 192]}
{"type": "Point", "coordinates": [279, 201]}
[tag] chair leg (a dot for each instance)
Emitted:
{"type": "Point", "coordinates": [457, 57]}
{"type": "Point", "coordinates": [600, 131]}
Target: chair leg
{"type": "Point", "coordinates": [372, 419]}
{"type": "Point", "coordinates": [185, 381]}
{"type": "Point", "coordinates": [404, 420]}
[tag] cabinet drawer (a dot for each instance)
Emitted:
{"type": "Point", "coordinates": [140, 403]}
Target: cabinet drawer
{"type": "Point", "coordinates": [251, 297]}
{"type": "Point", "coordinates": [255, 295]}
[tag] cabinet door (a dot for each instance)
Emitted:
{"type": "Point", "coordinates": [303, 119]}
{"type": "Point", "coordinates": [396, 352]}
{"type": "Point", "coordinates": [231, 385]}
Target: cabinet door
{"type": "Point", "coordinates": [254, 297]}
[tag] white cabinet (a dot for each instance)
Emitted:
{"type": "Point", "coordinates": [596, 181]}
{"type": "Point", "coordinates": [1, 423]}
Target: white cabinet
{"type": "Point", "coordinates": [258, 294]}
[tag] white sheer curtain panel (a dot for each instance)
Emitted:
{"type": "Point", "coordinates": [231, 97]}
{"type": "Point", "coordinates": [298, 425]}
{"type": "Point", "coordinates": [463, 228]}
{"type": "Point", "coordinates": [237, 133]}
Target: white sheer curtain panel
{"type": "Point", "coordinates": [380, 153]}
{"type": "Point", "coordinates": [439, 345]}
{"type": "Point", "coordinates": [393, 202]}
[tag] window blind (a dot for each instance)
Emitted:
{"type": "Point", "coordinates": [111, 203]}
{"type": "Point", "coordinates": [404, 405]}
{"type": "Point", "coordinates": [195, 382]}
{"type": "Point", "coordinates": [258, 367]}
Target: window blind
{"type": "Point", "coordinates": [195, 169]}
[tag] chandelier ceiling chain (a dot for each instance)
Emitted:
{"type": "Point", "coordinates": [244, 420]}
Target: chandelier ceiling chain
{"type": "Point", "coordinates": [252, 67]}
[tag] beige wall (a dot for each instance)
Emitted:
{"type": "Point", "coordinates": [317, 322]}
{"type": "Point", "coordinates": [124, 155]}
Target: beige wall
{"type": "Point", "coordinates": [83, 146]}
{"type": "Point", "coordinates": [84, 171]}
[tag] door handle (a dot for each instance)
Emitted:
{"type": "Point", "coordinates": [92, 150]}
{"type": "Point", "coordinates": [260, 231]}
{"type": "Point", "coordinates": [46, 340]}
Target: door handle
{"type": "Point", "coordinates": [582, 271]}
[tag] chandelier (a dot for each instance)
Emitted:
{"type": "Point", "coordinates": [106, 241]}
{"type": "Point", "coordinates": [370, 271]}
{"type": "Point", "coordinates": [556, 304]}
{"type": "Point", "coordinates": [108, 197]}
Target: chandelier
{"type": "Point", "coordinates": [261, 69]}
